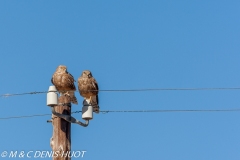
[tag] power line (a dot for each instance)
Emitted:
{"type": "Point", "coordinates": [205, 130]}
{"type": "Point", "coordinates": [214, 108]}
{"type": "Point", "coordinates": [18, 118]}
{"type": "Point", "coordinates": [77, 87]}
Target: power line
{"type": "Point", "coordinates": [167, 89]}
{"type": "Point", "coordinates": [134, 111]}
{"type": "Point", "coordinates": [21, 94]}
{"type": "Point", "coordinates": [29, 116]}
{"type": "Point", "coordinates": [131, 90]}
{"type": "Point", "coordinates": [184, 110]}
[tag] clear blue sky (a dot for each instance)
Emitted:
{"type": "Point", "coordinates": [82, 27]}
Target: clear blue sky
{"type": "Point", "coordinates": [126, 45]}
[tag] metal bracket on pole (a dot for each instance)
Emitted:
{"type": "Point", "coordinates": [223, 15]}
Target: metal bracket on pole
{"type": "Point", "coordinates": [68, 118]}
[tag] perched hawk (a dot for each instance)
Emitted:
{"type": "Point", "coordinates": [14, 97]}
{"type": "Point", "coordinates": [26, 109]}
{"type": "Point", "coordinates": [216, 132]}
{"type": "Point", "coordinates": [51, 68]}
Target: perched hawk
{"type": "Point", "coordinates": [88, 88]}
{"type": "Point", "coordinates": [64, 83]}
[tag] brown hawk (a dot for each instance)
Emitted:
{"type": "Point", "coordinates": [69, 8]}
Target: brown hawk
{"type": "Point", "coordinates": [88, 88]}
{"type": "Point", "coordinates": [64, 83]}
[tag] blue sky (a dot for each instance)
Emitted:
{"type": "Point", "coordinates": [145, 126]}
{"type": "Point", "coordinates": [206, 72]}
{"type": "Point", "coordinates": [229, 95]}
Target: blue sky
{"type": "Point", "coordinates": [126, 45]}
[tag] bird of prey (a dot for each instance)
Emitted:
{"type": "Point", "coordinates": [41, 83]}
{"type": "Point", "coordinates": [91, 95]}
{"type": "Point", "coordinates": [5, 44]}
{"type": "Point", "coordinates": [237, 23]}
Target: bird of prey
{"type": "Point", "coordinates": [88, 88]}
{"type": "Point", "coordinates": [64, 83]}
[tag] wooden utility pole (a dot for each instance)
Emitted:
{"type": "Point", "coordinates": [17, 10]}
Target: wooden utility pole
{"type": "Point", "coordinates": [61, 139]}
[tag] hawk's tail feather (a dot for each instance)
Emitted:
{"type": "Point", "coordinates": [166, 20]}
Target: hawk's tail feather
{"type": "Point", "coordinates": [73, 99]}
{"type": "Point", "coordinates": [94, 103]}
{"type": "Point", "coordinates": [96, 109]}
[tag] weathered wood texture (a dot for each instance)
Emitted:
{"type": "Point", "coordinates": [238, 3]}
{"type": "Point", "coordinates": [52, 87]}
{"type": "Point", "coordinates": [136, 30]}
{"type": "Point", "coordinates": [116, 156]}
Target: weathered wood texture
{"type": "Point", "coordinates": [61, 139]}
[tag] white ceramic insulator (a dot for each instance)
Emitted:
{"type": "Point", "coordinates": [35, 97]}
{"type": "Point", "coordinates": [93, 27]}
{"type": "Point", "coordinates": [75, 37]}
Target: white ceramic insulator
{"type": "Point", "coordinates": [52, 96]}
{"type": "Point", "coordinates": [87, 111]}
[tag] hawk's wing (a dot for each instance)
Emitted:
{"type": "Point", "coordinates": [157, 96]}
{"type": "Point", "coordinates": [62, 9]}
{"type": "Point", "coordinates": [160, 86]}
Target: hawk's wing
{"type": "Point", "coordinates": [52, 80]}
{"type": "Point", "coordinates": [95, 86]}
{"type": "Point", "coordinates": [63, 82]}
{"type": "Point", "coordinates": [68, 81]}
